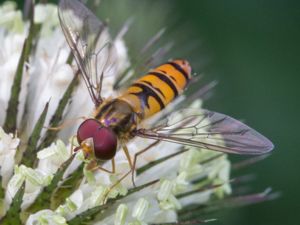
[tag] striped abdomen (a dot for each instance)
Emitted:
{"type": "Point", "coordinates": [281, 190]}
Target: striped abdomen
{"type": "Point", "coordinates": [154, 91]}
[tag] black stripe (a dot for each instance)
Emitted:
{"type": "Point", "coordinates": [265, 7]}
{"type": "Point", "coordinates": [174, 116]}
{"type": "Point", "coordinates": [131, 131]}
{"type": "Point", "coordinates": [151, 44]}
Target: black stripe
{"type": "Point", "coordinates": [105, 108]}
{"type": "Point", "coordinates": [157, 89]}
{"type": "Point", "coordinates": [178, 68]}
{"type": "Point", "coordinates": [166, 79]}
{"type": "Point", "coordinates": [146, 93]}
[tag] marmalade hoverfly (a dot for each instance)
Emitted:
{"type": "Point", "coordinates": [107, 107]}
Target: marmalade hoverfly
{"type": "Point", "coordinates": [117, 120]}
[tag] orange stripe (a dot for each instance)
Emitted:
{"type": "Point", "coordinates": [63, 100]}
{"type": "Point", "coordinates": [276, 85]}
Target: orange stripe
{"type": "Point", "coordinates": [177, 77]}
{"type": "Point", "coordinates": [164, 90]}
{"type": "Point", "coordinates": [152, 92]}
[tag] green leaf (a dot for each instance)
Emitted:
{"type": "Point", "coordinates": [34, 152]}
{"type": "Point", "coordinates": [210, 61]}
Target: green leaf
{"type": "Point", "coordinates": [12, 216]}
{"type": "Point", "coordinates": [29, 156]}
{"type": "Point", "coordinates": [10, 123]}
{"type": "Point", "coordinates": [136, 189]}
{"type": "Point", "coordinates": [88, 215]}
{"type": "Point", "coordinates": [51, 135]}
{"type": "Point", "coordinates": [43, 201]}
{"type": "Point", "coordinates": [2, 195]}
{"type": "Point", "coordinates": [2, 192]}
{"type": "Point", "coordinates": [203, 188]}
{"type": "Point", "coordinates": [67, 187]}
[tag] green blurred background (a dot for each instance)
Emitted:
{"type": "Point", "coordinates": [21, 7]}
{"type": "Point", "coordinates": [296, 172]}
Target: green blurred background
{"type": "Point", "coordinates": [256, 48]}
{"type": "Point", "coordinates": [255, 57]}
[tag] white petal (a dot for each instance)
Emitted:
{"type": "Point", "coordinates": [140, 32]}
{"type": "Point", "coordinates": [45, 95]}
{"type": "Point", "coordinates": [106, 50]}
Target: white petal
{"type": "Point", "coordinates": [48, 217]}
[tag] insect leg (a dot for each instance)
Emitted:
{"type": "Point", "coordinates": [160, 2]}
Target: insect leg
{"type": "Point", "coordinates": [113, 167]}
{"type": "Point", "coordinates": [115, 184]}
{"type": "Point", "coordinates": [139, 153]}
{"type": "Point", "coordinates": [125, 149]}
{"type": "Point", "coordinates": [132, 166]}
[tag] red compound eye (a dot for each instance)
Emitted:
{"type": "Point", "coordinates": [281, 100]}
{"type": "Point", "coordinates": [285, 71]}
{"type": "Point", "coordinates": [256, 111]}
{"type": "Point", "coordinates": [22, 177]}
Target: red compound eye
{"type": "Point", "coordinates": [105, 140]}
{"type": "Point", "coordinates": [105, 144]}
{"type": "Point", "coordinates": [87, 129]}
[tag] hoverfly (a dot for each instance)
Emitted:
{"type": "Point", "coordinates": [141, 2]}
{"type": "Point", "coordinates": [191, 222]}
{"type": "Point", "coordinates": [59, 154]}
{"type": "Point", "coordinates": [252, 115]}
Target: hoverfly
{"type": "Point", "coordinates": [117, 120]}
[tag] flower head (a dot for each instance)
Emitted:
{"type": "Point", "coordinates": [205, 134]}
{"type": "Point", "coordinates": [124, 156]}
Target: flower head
{"type": "Point", "coordinates": [41, 174]}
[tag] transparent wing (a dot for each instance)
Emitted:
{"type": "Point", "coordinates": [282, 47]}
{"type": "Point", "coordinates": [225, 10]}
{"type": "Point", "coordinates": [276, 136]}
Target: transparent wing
{"type": "Point", "coordinates": [209, 130]}
{"type": "Point", "coordinates": [89, 41]}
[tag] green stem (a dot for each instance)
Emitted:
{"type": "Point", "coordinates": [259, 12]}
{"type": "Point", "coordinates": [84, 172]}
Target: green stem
{"type": "Point", "coordinates": [10, 123]}
{"type": "Point", "coordinates": [43, 201]}
{"type": "Point", "coordinates": [12, 216]}
{"type": "Point", "coordinates": [30, 154]}
{"type": "Point", "coordinates": [57, 117]}
{"type": "Point", "coordinates": [67, 187]}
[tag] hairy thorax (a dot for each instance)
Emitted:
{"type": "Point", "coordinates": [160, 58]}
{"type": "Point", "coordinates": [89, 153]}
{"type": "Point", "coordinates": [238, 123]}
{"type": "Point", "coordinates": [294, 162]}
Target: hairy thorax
{"type": "Point", "coordinates": [119, 116]}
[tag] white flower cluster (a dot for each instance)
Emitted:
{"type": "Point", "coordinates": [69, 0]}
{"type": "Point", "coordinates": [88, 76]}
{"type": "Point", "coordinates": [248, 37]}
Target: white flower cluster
{"type": "Point", "coordinates": [158, 200]}
{"type": "Point", "coordinates": [47, 78]}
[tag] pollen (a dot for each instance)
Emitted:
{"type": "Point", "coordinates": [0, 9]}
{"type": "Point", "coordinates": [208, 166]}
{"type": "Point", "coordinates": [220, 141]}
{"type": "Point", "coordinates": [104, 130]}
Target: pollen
{"type": "Point", "coordinates": [87, 147]}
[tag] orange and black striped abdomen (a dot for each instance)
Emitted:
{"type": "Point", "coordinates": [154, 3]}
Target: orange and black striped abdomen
{"type": "Point", "coordinates": [154, 91]}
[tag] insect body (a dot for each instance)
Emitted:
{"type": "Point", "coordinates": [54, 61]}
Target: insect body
{"type": "Point", "coordinates": [151, 93]}
{"type": "Point", "coordinates": [148, 95]}
{"type": "Point", "coordinates": [117, 120]}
